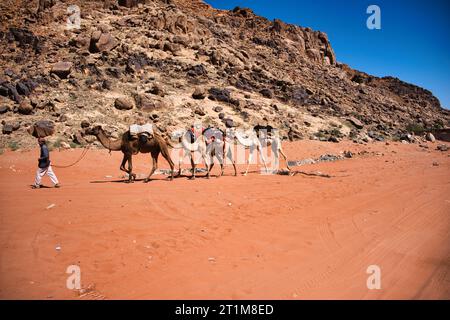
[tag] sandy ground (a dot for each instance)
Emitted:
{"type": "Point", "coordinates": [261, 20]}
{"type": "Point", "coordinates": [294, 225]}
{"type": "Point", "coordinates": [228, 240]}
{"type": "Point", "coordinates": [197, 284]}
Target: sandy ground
{"type": "Point", "coordinates": [254, 237]}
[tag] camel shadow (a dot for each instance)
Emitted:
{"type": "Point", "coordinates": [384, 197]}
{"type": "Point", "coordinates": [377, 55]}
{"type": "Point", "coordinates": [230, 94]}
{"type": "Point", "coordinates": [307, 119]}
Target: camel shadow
{"type": "Point", "coordinates": [126, 181]}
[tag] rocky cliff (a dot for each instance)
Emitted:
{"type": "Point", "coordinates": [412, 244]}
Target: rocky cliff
{"type": "Point", "coordinates": [175, 62]}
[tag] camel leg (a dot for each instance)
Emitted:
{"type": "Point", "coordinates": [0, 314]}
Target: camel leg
{"type": "Point", "coordinates": [249, 160]}
{"type": "Point", "coordinates": [180, 161]}
{"type": "Point", "coordinates": [285, 158]}
{"type": "Point", "coordinates": [246, 170]}
{"type": "Point", "coordinates": [262, 157]}
{"type": "Point", "coordinates": [229, 155]}
{"type": "Point", "coordinates": [221, 170]}
{"type": "Point", "coordinates": [211, 159]}
{"type": "Point", "coordinates": [206, 163]}
{"type": "Point", "coordinates": [124, 161]}
{"type": "Point", "coordinates": [165, 154]}
{"type": "Point", "coordinates": [132, 176]}
{"type": "Point", "coordinates": [154, 166]}
{"type": "Point", "coordinates": [179, 167]}
{"type": "Point", "coordinates": [219, 158]}
{"type": "Point", "coordinates": [210, 156]}
{"type": "Point", "coordinates": [191, 156]}
{"type": "Point", "coordinates": [127, 158]}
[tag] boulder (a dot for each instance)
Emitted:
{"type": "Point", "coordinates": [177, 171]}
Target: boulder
{"type": "Point", "coordinates": [430, 137]}
{"type": "Point", "coordinates": [123, 104]}
{"type": "Point", "coordinates": [229, 123]}
{"type": "Point", "coordinates": [348, 154]}
{"type": "Point", "coordinates": [199, 111]}
{"type": "Point", "coordinates": [198, 70]}
{"type": "Point", "coordinates": [62, 69]}
{"type": "Point", "coordinates": [267, 93]}
{"type": "Point", "coordinates": [158, 90]}
{"type": "Point", "coordinates": [9, 90]}
{"type": "Point", "coordinates": [22, 88]}
{"type": "Point", "coordinates": [408, 138]}
{"type": "Point", "coordinates": [16, 126]}
{"type": "Point", "coordinates": [199, 94]}
{"type": "Point", "coordinates": [42, 129]}
{"type": "Point", "coordinates": [7, 129]}
{"type": "Point", "coordinates": [106, 42]}
{"type": "Point", "coordinates": [223, 95]}
{"type": "Point", "coordinates": [333, 139]}
{"type": "Point", "coordinates": [4, 109]}
{"type": "Point", "coordinates": [80, 41]}
{"type": "Point", "coordinates": [442, 147]}
{"type": "Point", "coordinates": [25, 107]}
{"type": "Point", "coordinates": [85, 124]}
{"type": "Point", "coordinates": [148, 103]}
{"type": "Point", "coordinates": [128, 3]}
{"type": "Point", "coordinates": [358, 124]}
{"type": "Point", "coordinates": [45, 4]}
{"type": "Point", "coordinates": [171, 47]}
{"type": "Point", "coordinates": [4, 91]}
{"type": "Point", "coordinates": [25, 38]}
{"type": "Point", "coordinates": [102, 42]}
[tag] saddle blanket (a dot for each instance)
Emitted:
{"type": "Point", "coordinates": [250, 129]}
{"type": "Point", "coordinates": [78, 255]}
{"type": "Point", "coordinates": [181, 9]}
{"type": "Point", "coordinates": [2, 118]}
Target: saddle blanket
{"type": "Point", "coordinates": [136, 129]}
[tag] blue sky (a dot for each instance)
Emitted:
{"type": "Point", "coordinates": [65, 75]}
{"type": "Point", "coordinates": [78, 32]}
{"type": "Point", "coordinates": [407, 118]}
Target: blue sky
{"type": "Point", "coordinates": [413, 43]}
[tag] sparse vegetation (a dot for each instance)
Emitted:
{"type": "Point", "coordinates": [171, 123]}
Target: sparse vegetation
{"type": "Point", "coordinates": [13, 145]}
{"type": "Point", "coordinates": [415, 128]}
{"type": "Point", "coordinates": [336, 132]}
{"type": "Point", "coordinates": [319, 134]}
{"type": "Point", "coordinates": [73, 145]}
{"type": "Point", "coordinates": [54, 145]}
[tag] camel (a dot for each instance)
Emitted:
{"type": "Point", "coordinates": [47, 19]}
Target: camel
{"type": "Point", "coordinates": [189, 148]}
{"type": "Point", "coordinates": [254, 139]}
{"type": "Point", "coordinates": [129, 146]}
{"type": "Point", "coordinates": [219, 148]}
{"type": "Point", "coordinates": [208, 144]}
{"type": "Point", "coordinates": [249, 140]}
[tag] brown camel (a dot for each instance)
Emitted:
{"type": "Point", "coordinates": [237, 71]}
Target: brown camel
{"type": "Point", "coordinates": [129, 146]}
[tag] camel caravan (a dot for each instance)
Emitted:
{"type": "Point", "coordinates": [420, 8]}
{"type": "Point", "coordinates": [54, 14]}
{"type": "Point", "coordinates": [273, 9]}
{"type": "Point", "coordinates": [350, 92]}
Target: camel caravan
{"type": "Point", "coordinates": [198, 145]}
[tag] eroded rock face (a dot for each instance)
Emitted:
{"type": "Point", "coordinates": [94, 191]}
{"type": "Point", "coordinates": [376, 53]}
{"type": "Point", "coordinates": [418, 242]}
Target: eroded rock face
{"type": "Point", "coordinates": [181, 60]}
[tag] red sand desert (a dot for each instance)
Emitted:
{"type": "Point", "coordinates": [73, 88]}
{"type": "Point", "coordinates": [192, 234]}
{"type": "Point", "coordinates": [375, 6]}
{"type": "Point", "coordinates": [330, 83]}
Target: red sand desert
{"type": "Point", "coordinates": [253, 237]}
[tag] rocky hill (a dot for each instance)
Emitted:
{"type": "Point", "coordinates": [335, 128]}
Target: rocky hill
{"type": "Point", "coordinates": [175, 62]}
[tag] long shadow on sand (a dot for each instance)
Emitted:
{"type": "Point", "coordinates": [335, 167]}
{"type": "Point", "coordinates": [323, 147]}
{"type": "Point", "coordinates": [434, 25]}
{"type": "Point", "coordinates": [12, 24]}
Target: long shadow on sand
{"type": "Point", "coordinates": [141, 180]}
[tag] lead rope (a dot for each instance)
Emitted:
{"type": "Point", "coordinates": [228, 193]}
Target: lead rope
{"type": "Point", "coordinates": [83, 154]}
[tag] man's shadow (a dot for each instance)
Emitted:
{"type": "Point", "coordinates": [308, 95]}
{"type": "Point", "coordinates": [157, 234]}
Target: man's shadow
{"type": "Point", "coordinates": [41, 187]}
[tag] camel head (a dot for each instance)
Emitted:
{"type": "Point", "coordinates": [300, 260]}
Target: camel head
{"type": "Point", "coordinates": [95, 131]}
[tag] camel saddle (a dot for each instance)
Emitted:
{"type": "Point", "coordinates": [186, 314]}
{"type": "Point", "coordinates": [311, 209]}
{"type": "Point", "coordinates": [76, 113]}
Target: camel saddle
{"type": "Point", "coordinates": [139, 130]}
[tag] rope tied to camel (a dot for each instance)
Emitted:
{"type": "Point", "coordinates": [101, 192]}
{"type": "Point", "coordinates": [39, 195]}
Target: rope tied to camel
{"type": "Point", "coordinates": [83, 154]}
